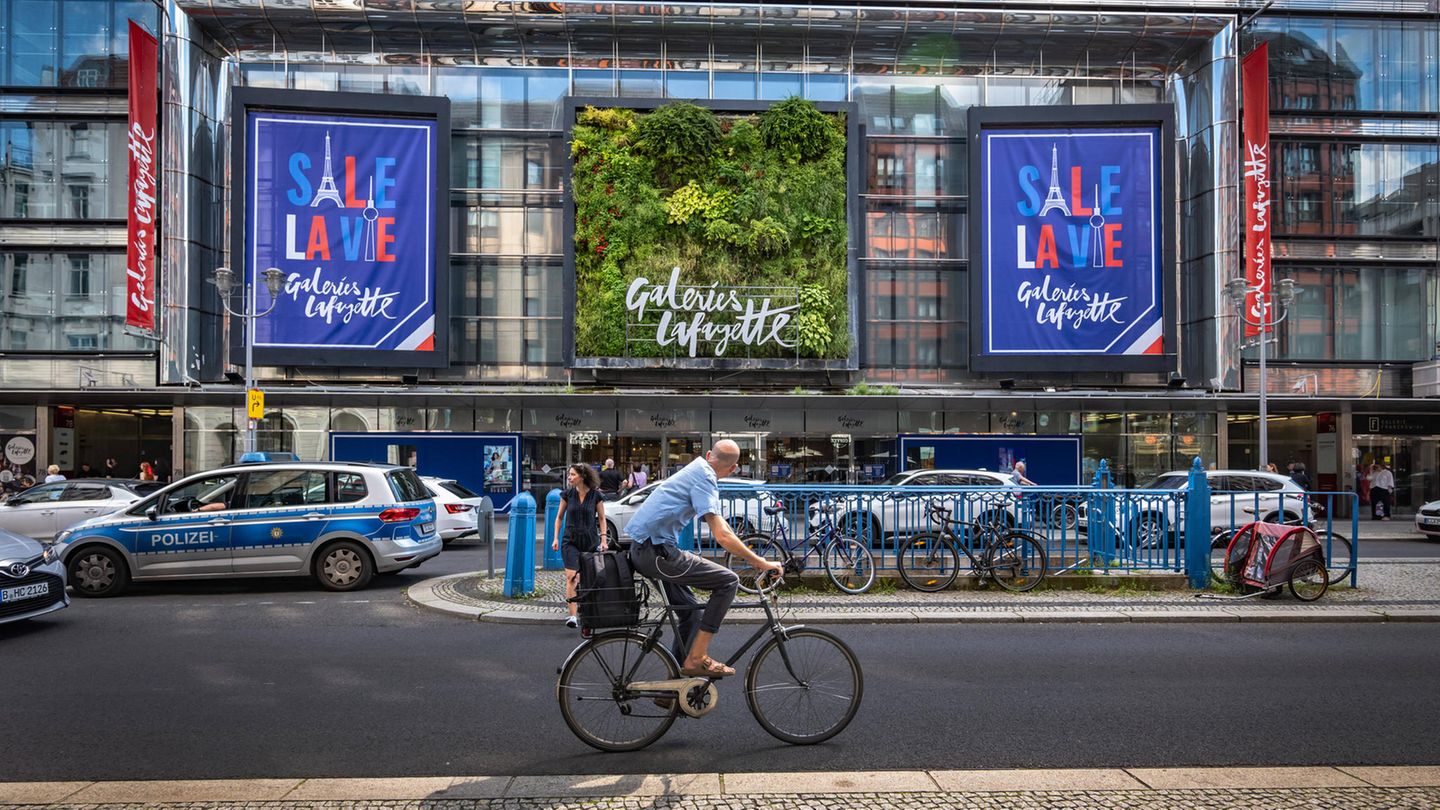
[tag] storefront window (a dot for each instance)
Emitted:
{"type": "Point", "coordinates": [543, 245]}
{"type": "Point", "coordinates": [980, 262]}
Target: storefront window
{"type": "Point", "coordinates": [69, 44]}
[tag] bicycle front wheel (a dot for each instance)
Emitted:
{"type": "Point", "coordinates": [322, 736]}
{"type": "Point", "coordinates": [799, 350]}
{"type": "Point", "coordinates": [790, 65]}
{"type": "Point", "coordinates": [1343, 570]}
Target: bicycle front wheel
{"type": "Point", "coordinates": [596, 699]}
{"type": "Point", "coordinates": [1337, 555]}
{"type": "Point", "coordinates": [850, 565]}
{"type": "Point", "coordinates": [1016, 562]}
{"type": "Point", "coordinates": [928, 562]}
{"type": "Point", "coordinates": [761, 544]}
{"type": "Point", "coordinates": [804, 687]}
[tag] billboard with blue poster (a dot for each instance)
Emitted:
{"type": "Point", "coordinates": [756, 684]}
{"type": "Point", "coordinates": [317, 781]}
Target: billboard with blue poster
{"type": "Point", "coordinates": [345, 194]}
{"type": "Point", "coordinates": [1073, 266]}
{"type": "Point", "coordinates": [483, 462]}
{"type": "Point", "coordinates": [1049, 460]}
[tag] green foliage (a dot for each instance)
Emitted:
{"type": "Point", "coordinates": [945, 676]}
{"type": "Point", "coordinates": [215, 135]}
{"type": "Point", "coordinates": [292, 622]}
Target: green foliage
{"type": "Point", "coordinates": [713, 195]}
{"type": "Point", "coordinates": [865, 389]}
{"type": "Point", "coordinates": [678, 136]}
{"type": "Point", "coordinates": [798, 131]}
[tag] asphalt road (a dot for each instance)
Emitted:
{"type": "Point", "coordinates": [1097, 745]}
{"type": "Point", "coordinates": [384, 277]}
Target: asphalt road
{"type": "Point", "coordinates": [277, 678]}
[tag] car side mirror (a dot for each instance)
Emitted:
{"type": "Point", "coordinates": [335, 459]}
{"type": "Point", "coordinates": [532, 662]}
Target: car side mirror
{"type": "Point", "coordinates": [152, 513]}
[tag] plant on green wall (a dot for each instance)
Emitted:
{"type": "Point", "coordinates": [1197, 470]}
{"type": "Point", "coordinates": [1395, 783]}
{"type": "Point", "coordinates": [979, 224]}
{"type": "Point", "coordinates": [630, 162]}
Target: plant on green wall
{"type": "Point", "coordinates": [751, 202]}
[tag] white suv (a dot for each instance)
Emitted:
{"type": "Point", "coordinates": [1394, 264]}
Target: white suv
{"type": "Point", "coordinates": [1237, 497]}
{"type": "Point", "coordinates": [902, 513]}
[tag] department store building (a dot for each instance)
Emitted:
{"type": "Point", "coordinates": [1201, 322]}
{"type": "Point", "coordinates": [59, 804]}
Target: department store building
{"type": "Point", "coordinates": [1354, 126]}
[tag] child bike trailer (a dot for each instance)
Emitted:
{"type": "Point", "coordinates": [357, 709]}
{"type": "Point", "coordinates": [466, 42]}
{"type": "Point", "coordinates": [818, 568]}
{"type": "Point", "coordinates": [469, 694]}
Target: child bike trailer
{"type": "Point", "coordinates": [1268, 556]}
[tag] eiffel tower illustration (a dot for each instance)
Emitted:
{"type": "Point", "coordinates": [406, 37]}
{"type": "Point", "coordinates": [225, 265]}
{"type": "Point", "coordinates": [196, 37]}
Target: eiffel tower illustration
{"type": "Point", "coordinates": [327, 190]}
{"type": "Point", "coordinates": [1052, 200]}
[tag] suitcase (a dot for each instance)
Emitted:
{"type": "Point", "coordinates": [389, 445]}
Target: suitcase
{"type": "Point", "coordinates": [606, 595]}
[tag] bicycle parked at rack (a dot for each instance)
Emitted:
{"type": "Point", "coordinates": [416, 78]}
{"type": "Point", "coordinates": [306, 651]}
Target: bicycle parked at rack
{"type": "Point", "coordinates": [848, 562]}
{"type": "Point", "coordinates": [621, 690]}
{"type": "Point", "coordinates": [930, 561]}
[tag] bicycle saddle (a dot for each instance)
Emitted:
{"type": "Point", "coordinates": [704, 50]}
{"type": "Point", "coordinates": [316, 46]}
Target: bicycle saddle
{"type": "Point", "coordinates": [775, 510]}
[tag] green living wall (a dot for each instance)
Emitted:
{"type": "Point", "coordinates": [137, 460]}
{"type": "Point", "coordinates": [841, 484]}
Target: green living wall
{"type": "Point", "coordinates": [736, 201]}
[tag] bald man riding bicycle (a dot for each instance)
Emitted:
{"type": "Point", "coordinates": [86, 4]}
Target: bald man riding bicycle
{"type": "Point", "coordinates": [656, 527]}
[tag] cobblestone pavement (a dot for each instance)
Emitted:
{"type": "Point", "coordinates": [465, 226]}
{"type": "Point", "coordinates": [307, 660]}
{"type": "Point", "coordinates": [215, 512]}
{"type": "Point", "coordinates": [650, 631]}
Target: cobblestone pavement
{"type": "Point", "coordinates": [1312, 798]}
{"type": "Point", "coordinates": [1388, 588]}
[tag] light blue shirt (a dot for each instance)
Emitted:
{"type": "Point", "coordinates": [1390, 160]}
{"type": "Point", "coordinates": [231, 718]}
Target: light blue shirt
{"type": "Point", "coordinates": [675, 502]}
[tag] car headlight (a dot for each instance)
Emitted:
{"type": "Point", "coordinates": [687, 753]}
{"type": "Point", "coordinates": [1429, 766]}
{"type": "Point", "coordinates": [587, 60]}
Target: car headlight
{"type": "Point", "coordinates": [51, 554]}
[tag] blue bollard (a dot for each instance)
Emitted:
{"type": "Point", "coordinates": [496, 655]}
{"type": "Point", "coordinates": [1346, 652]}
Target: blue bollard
{"type": "Point", "coordinates": [552, 559]}
{"type": "Point", "coordinates": [1197, 527]}
{"type": "Point", "coordinates": [520, 550]}
{"type": "Point", "coordinates": [686, 540]}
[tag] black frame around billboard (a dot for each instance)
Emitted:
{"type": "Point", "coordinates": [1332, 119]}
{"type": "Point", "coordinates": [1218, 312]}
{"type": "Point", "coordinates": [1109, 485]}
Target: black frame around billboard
{"type": "Point", "coordinates": [1092, 116]}
{"type": "Point", "coordinates": [246, 99]}
{"type": "Point", "coordinates": [854, 221]}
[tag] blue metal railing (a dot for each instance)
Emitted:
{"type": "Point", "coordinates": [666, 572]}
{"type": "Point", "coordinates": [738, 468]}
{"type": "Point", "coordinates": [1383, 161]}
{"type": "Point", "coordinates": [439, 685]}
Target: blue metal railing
{"type": "Point", "coordinates": [1092, 529]}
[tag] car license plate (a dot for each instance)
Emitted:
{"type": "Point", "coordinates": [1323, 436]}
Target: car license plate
{"type": "Point", "coordinates": [427, 528]}
{"type": "Point", "coordinates": [39, 589]}
{"type": "Point", "coordinates": [1430, 521]}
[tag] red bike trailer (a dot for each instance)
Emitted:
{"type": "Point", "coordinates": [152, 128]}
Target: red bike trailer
{"type": "Point", "coordinates": [1265, 557]}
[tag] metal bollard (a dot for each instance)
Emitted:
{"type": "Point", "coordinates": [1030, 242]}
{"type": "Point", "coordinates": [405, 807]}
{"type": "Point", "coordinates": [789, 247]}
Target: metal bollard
{"type": "Point", "coordinates": [520, 552]}
{"type": "Point", "coordinates": [1197, 527]}
{"type": "Point", "coordinates": [1103, 511]}
{"type": "Point", "coordinates": [551, 556]}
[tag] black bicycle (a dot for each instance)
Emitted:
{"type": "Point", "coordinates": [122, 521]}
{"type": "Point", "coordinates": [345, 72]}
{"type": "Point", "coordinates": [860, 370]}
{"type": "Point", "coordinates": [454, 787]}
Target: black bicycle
{"type": "Point", "coordinates": [621, 690]}
{"type": "Point", "coordinates": [849, 563]}
{"type": "Point", "coordinates": [930, 561]}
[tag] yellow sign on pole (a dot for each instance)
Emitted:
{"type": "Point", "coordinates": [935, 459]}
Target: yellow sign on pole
{"type": "Point", "coordinates": [255, 403]}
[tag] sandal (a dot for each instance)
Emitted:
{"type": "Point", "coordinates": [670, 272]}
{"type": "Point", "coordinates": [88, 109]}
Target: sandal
{"type": "Point", "coordinates": [709, 668]}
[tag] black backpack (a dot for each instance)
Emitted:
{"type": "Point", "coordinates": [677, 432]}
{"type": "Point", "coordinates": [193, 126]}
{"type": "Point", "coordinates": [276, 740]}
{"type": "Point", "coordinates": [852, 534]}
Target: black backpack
{"type": "Point", "coordinates": [606, 595]}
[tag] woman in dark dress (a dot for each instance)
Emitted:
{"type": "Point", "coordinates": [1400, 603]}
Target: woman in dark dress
{"type": "Point", "coordinates": [584, 531]}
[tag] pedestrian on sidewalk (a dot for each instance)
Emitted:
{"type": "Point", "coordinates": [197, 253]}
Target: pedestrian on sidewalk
{"type": "Point", "coordinates": [584, 531]}
{"type": "Point", "coordinates": [1382, 490]}
{"type": "Point", "coordinates": [610, 479]}
{"type": "Point", "coordinates": [54, 474]}
{"type": "Point", "coordinates": [1299, 476]}
{"type": "Point", "coordinates": [1019, 473]}
{"type": "Point", "coordinates": [637, 478]}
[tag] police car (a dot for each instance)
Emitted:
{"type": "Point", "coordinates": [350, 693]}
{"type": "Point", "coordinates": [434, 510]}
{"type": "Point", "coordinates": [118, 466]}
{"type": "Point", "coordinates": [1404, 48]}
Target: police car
{"type": "Point", "coordinates": [340, 522]}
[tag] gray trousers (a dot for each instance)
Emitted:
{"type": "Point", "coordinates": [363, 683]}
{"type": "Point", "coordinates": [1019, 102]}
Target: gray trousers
{"type": "Point", "coordinates": [677, 570]}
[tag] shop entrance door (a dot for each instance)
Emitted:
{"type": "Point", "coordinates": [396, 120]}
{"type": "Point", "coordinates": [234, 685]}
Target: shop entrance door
{"type": "Point", "coordinates": [1414, 460]}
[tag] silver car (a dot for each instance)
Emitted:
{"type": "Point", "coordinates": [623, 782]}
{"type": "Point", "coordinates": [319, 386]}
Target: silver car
{"type": "Point", "coordinates": [45, 510]}
{"type": "Point", "coordinates": [742, 511]}
{"type": "Point", "coordinates": [32, 578]}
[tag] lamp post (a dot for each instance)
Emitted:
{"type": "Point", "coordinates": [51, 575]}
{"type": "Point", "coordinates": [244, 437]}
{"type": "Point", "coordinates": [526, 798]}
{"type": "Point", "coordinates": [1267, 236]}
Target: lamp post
{"type": "Point", "coordinates": [1236, 290]}
{"type": "Point", "coordinates": [225, 282]}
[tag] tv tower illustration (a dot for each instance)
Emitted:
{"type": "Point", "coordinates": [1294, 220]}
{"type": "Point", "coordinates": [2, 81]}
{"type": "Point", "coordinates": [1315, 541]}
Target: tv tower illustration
{"type": "Point", "coordinates": [327, 190]}
{"type": "Point", "coordinates": [1052, 200]}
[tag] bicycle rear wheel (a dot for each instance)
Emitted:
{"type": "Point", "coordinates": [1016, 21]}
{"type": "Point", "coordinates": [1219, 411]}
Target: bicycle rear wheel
{"type": "Point", "coordinates": [1016, 562]}
{"type": "Point", "coordinates": [928, 562]}
{"type": "Point", "coordinates": [760, 543]}
{"type": "Point", "coordinates": [597, 702]}
{"type": "Point", "coordinates": [849, 564]}
{"type": "Point", "coordinates": [1337, 555]}
{"type": "Point", "coordinates": [1219, 545]}
{"type": "Point", "coordinates": [804, 688]}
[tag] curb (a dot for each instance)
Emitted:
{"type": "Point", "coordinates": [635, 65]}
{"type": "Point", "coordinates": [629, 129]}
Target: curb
{"type": "Point", "coordinates": [425, 595]}
{"type": "Point", "coordinates": [815, 783]}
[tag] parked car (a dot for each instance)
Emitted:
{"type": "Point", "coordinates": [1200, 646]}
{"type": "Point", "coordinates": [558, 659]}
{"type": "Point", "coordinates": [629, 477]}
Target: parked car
{"type": "Point", "coordinates": [337, 521]}
{"type": "Point", "coordinates": [1427, 520]}
{"type": "Point", "coordinates": [900, 513]}
{"type": "Point", "coordinates": [43, 511]}
{"type": "Point", "coordinates": [741, 511]}
{"type": "Point", "coordinates": [32, 578]}
{"type": "Point", "coordinates": [1237, 497]}
{"type": "Point", "coordinates": [456, 508]}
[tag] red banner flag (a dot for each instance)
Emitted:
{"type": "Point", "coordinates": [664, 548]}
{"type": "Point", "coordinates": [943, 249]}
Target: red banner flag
{"type": "Point", "coordinates": [143, 216]}
{"type": "Point", "coordinates": [1255, 91]}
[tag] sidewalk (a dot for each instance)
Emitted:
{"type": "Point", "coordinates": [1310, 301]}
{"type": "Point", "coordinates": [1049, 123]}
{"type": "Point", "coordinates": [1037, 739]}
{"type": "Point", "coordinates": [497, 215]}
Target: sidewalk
{"type": "Point", "coordinates": [1321, 788]}
{"type": "Point", "coordinates": [1390, 590]}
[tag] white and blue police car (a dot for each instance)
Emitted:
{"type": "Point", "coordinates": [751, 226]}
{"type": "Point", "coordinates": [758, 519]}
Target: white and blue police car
{"type": "Point", "coordinates": [340, 522]}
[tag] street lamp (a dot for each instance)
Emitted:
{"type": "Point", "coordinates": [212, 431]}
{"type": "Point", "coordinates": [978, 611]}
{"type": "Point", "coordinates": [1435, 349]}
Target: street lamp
{"type": "Point", "coordinates": [1236, 289]}
{"type": "Point", "coordinates": [225, 282]}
